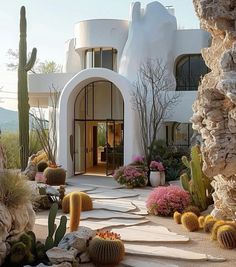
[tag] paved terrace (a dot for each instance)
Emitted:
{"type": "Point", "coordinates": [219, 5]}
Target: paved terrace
{"type": "Point", "coordinates": [149, 240]}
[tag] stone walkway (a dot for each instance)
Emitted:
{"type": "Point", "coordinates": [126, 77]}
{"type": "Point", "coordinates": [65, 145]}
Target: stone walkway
{"type": "Point", "coordinates": [120, 209]}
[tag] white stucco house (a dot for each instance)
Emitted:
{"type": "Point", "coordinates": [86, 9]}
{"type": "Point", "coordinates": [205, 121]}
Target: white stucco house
{"type": "Point", "coordinates": [102, 61]}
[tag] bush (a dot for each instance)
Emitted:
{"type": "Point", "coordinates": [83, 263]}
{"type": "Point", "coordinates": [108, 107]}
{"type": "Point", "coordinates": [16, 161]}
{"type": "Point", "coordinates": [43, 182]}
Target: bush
{"type": "Point", "coordinates": [131, 176]}
{"type": "Point", "coordinates": [170, 157]}
{"type": "Point", "coordinates": [10, 142]}
{"type": "Point", "coordinates": [165, 201]}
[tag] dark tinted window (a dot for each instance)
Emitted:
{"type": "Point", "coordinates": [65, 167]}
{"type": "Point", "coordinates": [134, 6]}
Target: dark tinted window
{"type": "Point", "coordinates": [189, 70]}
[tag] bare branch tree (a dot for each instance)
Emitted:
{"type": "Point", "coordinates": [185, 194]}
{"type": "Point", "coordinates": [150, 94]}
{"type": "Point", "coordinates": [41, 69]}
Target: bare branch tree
{"type": "Point", "coordinates": [39, 67]}
{"type": "Point", "coordinates": [153, 98]}
{"type": "Point", "coordinates": [47, 130]}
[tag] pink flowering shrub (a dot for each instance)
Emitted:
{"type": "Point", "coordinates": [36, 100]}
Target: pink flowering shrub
{"type": "Point", "coordinates": [165, 201]}
{"type": "Point", "coordinates": [156, 166]}
{"type": "Point", "coordinates": [131, 176]}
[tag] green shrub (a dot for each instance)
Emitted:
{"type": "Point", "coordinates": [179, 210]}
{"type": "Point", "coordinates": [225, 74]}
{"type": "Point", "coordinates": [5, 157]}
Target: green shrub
{"type": "Point", "coordinates": [10, 144]}
{"type": "Point", "coordinates": [170, 156]}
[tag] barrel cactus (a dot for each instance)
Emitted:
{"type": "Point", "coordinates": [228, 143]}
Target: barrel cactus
{"type": "Point", "coordinates": [42, 165]}
{"type": "Point", "coordinates": [55, 176]}
{"type": "Point", "coordinates": [190, 221]}
{"type": "Point", "coordinates": [226, 236]}
{"type": "Point", "coordinates": [106, 249]}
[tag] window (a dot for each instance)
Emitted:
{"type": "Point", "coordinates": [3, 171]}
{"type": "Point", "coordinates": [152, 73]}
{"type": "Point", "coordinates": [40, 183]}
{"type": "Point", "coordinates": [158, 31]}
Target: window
{"type": "Point", "coordinates": [101, 58]}
{"type": "Point", "coordinates": [189, 70]}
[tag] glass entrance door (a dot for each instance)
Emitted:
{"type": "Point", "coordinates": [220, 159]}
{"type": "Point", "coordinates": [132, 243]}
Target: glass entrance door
{"type": "Point", "coordinates": [80, 147]}
{"type": "Point", "coordinates": [114, 146]}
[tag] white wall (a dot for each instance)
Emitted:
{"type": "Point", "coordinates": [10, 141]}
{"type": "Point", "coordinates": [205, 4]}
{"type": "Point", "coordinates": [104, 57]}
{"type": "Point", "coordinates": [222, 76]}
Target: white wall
{"type": "Point", "coordinates": [73, 60]}
{"type": "Point", "coordinates": [190, 41]}
{"type": "Point", "coordinates": [101, 33]}
{"type": "Point", "coordinates": [151, 36]}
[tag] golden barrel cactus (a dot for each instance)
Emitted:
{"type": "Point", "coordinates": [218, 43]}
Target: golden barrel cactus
{"type": "Point", "coordinates": [190, 221]}
{"type": "Point", "coordinates": [106, 249]}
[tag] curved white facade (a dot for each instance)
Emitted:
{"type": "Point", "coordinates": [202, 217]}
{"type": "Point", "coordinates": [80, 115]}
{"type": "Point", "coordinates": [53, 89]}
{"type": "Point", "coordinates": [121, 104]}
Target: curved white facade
{"type": "Point", "coordinates": [150, 33]}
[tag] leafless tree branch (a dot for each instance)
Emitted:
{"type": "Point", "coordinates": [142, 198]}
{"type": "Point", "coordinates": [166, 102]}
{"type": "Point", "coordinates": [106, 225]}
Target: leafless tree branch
{"type": "Point", "coordinates": [153, 100]}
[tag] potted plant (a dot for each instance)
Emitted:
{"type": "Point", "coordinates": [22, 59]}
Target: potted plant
{"type": "Point", "coordinates": [47, 136]}
{"type": "Point", "coordinates": [157, 173]}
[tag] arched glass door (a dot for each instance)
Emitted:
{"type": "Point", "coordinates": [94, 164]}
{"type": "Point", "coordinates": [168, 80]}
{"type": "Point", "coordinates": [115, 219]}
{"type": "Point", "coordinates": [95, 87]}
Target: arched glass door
{"type": "Point", "coordinates": [98, 106]}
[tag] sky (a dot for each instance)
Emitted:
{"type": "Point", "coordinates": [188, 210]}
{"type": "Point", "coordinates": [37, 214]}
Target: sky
{"type": "Point", "coordinates": [51, 23]}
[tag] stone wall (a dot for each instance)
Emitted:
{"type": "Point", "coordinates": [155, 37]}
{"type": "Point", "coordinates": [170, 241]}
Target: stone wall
{"type": "Point", "coordinates": [215, 108]}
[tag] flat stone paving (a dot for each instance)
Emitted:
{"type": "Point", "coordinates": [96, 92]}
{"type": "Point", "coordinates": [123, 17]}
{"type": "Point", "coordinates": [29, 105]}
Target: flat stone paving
{"type": "Point", "coordinates": [144, 233]}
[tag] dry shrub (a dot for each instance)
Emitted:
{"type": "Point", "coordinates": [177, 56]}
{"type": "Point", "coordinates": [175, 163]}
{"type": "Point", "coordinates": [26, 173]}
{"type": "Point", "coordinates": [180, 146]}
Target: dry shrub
{"type": "Point", "coordinates": [14, 190]}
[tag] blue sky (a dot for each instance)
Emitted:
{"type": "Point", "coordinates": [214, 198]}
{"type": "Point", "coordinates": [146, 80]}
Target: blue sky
{"type": "Point", "coordinates": [51, 23]}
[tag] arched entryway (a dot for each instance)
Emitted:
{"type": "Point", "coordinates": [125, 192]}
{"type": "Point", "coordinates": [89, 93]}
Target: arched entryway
{"type": "Point", "coordinates": [66, 115]}
{"type": "Point", "coordinates": [98, 129]}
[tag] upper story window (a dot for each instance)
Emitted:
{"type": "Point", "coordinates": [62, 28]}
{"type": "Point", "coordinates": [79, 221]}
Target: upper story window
{"type": "Point", "coordinates": [101, 58]}
{"type": "Point", "coordinates": [189, 70]}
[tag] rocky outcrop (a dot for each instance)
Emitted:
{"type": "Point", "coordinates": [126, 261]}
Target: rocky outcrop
{"type": "Point", "coordinates": [215, 108]}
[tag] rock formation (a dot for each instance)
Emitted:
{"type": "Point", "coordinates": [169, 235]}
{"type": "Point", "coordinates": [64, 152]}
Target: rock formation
{"type": "Point", "coordinates": [215, 108]}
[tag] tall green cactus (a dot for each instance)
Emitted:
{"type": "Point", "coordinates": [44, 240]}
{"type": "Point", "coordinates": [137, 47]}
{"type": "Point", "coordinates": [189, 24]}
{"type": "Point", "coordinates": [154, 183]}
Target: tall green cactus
{"type": "Point", "coordinates": [52, 228]}
{"type": "Point", "coordinates": [198, 186]}
{"type": "Point", "coordinates": [23, 100]}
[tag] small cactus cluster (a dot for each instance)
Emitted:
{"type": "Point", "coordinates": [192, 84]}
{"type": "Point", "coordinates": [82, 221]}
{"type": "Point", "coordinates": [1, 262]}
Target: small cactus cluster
{"type": "Point", "coordinates": [106, 249]}
{"type": "Point", "coordinates": [222, 231]}
{"type": "Point", "coordinates": [26, 250]}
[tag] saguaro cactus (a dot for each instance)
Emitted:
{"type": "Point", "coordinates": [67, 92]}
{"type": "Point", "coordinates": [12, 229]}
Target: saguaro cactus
{"type": "Point", "coordinates": [23, 104]}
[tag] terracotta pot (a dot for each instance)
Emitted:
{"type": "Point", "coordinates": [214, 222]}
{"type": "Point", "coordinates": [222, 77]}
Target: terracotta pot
{"type": "Point", "coordinates": [155, 178]}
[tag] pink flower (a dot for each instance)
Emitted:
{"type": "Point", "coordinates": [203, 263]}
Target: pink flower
{"type": "Point", "coordinates": [156, 166]}
{"type": "Point", "coordinates": [138, 159]}
{"type": "Point", "coordinates": [166, 200]}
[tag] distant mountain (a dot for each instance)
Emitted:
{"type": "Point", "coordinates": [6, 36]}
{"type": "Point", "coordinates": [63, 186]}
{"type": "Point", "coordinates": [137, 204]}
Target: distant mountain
{"type": "Point", "coordinates": [8, 120]}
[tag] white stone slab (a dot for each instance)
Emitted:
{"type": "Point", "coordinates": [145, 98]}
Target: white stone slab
{"type": "Point", "coordinates": [167, 252]}
{"type": "Point", "coordinates": [104, 215]}
{"type": "Point", "coordinates": [114, 205]}
{"type": "Point", "coordinates": [97, 225]}
{"type": "Point", "coordinates": [149, 233]}
{"type": "Point", "coordinates": [141, 205]}
{"type": "Point", "coordinates": [111, 194]}
{"type": "Point", "coordinates": [107, 214]}
{"type": "Point", "coordinates": [82, 188]}
{"type": "Point", "coordinates": [144, 263]}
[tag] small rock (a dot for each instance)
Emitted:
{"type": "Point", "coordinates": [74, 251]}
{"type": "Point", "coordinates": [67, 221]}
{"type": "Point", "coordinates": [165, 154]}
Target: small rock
{"type": "Point", "coordinates": [51, 191]}
{"type": "Point", "coordinates": [58, 255]}
{"type": "Point", "coordinates": [78, 239]}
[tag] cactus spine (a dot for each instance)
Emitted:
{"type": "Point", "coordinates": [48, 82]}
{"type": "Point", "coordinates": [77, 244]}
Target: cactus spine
{"type": "Point", "coordinates": [23, 104]}
{"type": "Point", "coordinates": [60, 231]}
{"type": "Point", "coordinates": [198, 186]}
{"type": "Point", "coordinates": [226, 236]}
{"type": "Point", "coordinates": [75, 211]}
